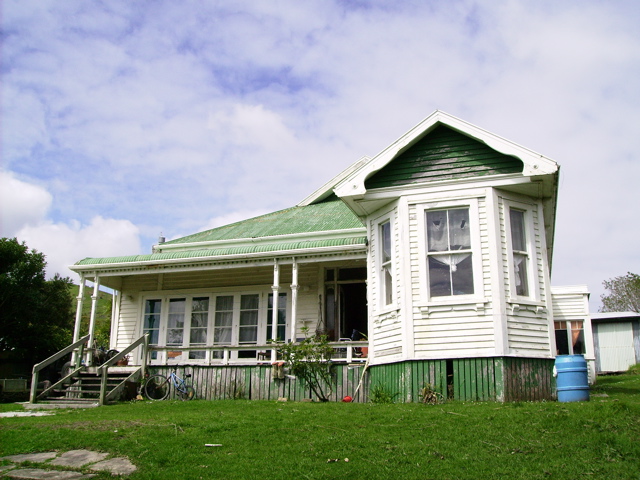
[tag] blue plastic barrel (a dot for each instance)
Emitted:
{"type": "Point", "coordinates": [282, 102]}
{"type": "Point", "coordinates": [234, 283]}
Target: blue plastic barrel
{"type": "Point", "coordinates": [573, 378]}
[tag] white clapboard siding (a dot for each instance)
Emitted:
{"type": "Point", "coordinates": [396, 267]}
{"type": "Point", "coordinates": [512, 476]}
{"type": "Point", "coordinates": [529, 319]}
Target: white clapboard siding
{"type": "Point", "coordinates": [386, 336]}
{"type": "Point", "coordinates": [452, 330]}
{"type": "Point", "coordinates": [528, 333]}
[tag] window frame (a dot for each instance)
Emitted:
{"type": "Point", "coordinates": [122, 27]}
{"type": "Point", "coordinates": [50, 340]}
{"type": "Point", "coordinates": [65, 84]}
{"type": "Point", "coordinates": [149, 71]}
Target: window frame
{"type": "Point", "coordinates": [386, 270]}
{"type": "Point", "coordinates": [533, 294]}
{"type": "Point", "coordinates": [568, 328]}
{"type": "Point", "coordinates": [471, 203]}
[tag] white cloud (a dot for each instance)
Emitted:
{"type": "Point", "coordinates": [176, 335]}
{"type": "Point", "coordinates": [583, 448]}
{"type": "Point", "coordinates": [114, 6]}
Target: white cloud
{"type": "Point", "coordinates": [65, 244]}
{"type": "Point", "coordinates": [21, 204]}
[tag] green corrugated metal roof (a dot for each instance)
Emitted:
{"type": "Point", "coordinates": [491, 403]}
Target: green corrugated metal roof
{"type": "Point", "coordinates": [219, 252]}
{"type": "Point", "coordinates": [326, 216]}
{"type": "Point", "coordinates": [444, 154]}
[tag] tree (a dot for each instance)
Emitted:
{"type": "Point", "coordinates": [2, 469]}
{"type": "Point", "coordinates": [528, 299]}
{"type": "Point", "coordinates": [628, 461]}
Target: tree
{"type": "Point", "coordinates": [624, 294]}
{"type": "Point", "coordinates": [36, 315]}
{"type": "Point", "coordinates": [310, 361]}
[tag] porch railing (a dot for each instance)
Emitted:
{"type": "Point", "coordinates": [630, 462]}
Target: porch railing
{"type": "Point", "coordinates": [103, 370]}
{"type": "Point", "coordinates": [80, 344]}
{"type": "Point", "coordinates": [345, 352]}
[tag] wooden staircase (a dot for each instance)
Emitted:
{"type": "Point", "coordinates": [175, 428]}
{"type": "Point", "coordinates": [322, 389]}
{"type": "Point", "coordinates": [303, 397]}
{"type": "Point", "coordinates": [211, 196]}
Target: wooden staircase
{"type": "Point", "coordinates": [83, 389]}
{"type": "Point", "coordinates": [90, 385]}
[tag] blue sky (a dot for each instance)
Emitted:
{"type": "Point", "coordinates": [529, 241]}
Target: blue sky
{"type": "Point", "coordinates": [121, 120]}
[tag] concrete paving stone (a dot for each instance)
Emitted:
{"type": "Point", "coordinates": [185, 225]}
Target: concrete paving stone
{"type": "Point", "coordinates": [4, 468]}
{"type": "Point", "coordinates": [40, 474]}
{"type": "Point", "coordinates": [117, 466]}
{"type": "Point", "coordinates": [25, 414]}
{"type": "Point", "coordinates": [78, 458]}
{"type": "Point", "coordinates": [31, 457]}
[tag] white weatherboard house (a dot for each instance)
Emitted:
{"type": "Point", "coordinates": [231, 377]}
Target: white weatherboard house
{"type": "Point", "coordinates": [431, 261]}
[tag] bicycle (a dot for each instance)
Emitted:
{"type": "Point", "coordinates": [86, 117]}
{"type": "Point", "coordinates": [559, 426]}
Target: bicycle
{"type": "Point", "coordinates": [158, 386]}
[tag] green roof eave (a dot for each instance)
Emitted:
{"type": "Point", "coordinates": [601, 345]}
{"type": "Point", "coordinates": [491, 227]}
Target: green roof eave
{"type": "Point", "coordinates": [228, 253]}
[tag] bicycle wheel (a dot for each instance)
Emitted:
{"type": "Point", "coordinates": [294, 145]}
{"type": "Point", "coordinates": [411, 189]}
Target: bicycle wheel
{"type": "Point", "coordinates": [186, 392]}
{"type": "Point", "coordinates": [156, 387]}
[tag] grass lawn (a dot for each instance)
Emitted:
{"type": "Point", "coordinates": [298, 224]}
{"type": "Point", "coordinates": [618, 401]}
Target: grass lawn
{"type": "Point", "coordinates": [269, 440]}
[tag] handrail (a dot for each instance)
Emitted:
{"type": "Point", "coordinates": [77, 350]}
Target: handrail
{"type": "Point", "coordinates": [270, 347]}
{"type": "Point", "coordinates": [103, 369]}
{"type": "Point", "coordinates": [39, 366]}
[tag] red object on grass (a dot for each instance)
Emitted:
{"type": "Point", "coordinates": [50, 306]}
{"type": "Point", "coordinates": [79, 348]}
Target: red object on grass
{"type": "Point", "coordinates": [347, 399]}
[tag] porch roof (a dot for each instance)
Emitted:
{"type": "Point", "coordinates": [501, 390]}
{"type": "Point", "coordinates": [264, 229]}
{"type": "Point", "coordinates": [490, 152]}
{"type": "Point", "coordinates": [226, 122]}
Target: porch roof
{"type": "Point", "coordinates": [154, 258]}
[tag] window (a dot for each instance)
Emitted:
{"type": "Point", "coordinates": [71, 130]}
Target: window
{"type": "Point", "coordinates": [151, 322]}
{"type": "Point", "coordinates": [386, 262]}
{"type": "Point", "coordinates": [223, 320]}
{"type": "Point", "coordinates": [449, 256]}
{"type": "Point", "coordinates": [520, 253]}
{"type": "Point", "coordinates": [195, 327]}
{"type": "Point", "coordinates": [175, 325]}
{"type": "Point", "coordinates": [282, 317]}
{"type": "Point", "coordinates": [569, 338]}
{"type": "Point", "coordinates": [199, 322]}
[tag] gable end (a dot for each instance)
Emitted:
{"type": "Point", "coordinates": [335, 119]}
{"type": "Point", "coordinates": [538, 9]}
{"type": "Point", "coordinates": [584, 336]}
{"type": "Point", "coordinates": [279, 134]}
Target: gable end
{"type": "Point", "coordinates": [443, 154]}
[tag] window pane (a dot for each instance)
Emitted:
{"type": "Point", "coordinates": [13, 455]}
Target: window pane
{"type": "Point", "coordinates": [352, 274]}
{"type": "Point", "coordinates": [439, 277]}
{"type": "Point", "coordinates": [462, 275]}
{"type": "Point", "coordinates": [562, 342]}
{"type": "Point", "coordinates": [152, 306]}
{"type": "Point", "coordinates": [517, 230]}
{"type": "Point", "coordinates": [224, 319]}
{"type": "Point", "coordinates": [177, 305]}
{"type": "Point", "coordinates": [200, 305]}
{"type": "Point", "coordinates": [388, 287]}
{"type": "Point", "coordinates": [249, 317]}
{"type": "Point", "coordinates": [459, 235]}
{"type": "Point", "coordinates": [153, 337]}
{"type": "Point", "coordinates": [248, 334]}
{"type": "Point", "coordinates": [151, 322]}
{"type": "Point", "coordinates": [199, 320]}
{"type": "Point", "coordinates": [437, 231]}
{"type": "Point", "coordinates": [520, 273]}
{"type": "Point", "coordinates": [249, 302]}
{"type": "Point", "coordinates": [222, 335]}
{"type": "Point", "coordinates": [385, 233]}
{"type": "Point", "coordinates": [174, 336]}
{"type": "Point", "coordinates": [224, 303]}
{"type": "Point", "coordinates": [198, 336]}
{"type": "Point", "coordinates": [197, 355]}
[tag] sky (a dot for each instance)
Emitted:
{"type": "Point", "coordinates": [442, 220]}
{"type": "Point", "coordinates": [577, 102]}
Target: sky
{"type": "Point", "coordinates": [121, 121]}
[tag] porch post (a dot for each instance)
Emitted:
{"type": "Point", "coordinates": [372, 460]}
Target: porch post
{"type": "Point", "coordinates": [274, 311]}
{"type": "Point", "coordinates": [294, 299]}
{"type": "Point", "coordinates": [76, 329]}
{"type": "Point", "coordinates": [92, 320]}
{"type": "Point", "coordinates": [80, 300]}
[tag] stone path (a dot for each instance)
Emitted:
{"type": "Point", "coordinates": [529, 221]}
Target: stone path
{"type": "Point", "coordinates": [87, 459]}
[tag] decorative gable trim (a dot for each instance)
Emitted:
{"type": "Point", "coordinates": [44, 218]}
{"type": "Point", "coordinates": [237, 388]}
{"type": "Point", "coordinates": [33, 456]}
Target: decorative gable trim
{"type": "Point", "coordinates": [534, 164]}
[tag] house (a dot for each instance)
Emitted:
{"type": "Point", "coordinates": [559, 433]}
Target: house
{"type": "Point", "coordinates": [616, 339]}
{"type": "Point", "coordinates": [428, 265]}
